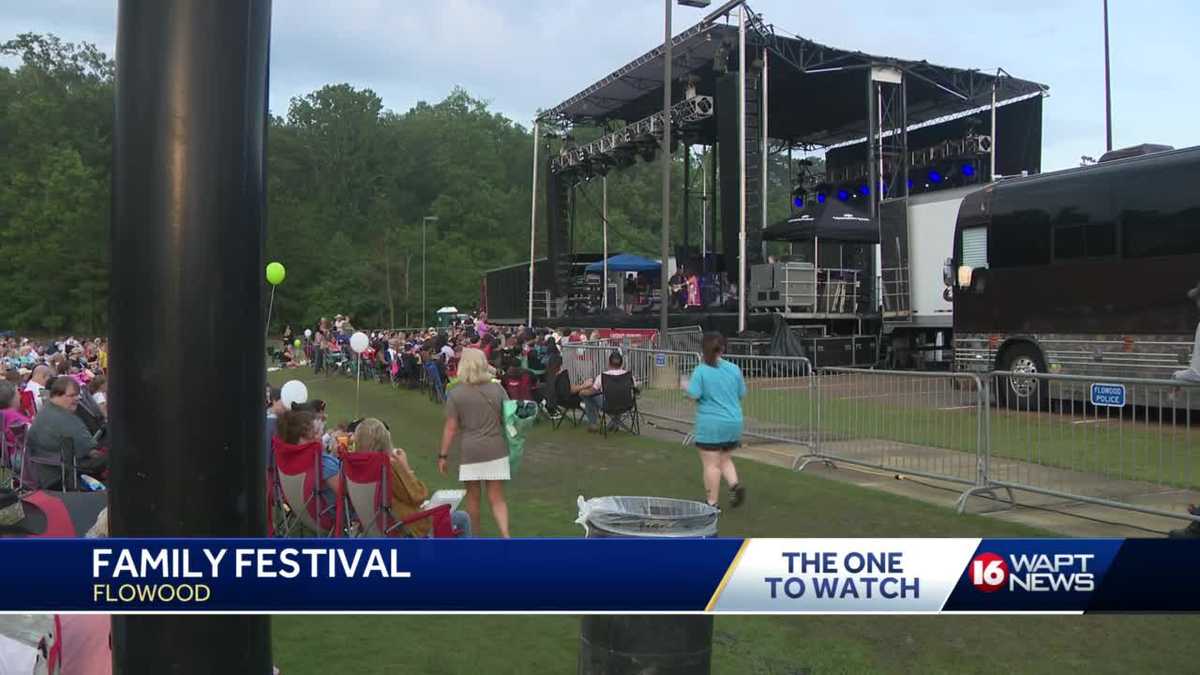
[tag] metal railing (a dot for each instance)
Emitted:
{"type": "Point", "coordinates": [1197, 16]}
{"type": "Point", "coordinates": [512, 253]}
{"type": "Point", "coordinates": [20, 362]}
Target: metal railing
{"type": "Point", "coordinates": [1127, 443]}
{"type": "Point", "coordinates": [931, 425]}
{"type": "Point", "coordinates": [584, 361]}
{"type": "Point", "coordinates": [1124, 443]}
{"type": "Point", "coordinates": [544, 306]}
{"type": "Point", "coordinates": [681, 339]}
{"type": "Point", "coordinates": [662, 377]}
{"type": "Point", "coordinates": [779, 402]}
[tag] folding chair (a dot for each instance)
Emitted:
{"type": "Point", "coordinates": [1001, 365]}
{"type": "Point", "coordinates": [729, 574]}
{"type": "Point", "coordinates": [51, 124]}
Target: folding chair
{"type": "Point", "coordinates": [558, 409]}
{"type": "Point", "coordinates": [620, 403]}
{"type": "Point", "coordinates": [68, 472]}
{"type": "Point", "coordinates": [28, 404]}
{"type": "Point", "coordinates": [298, 468]}
{"type": "Point", "coordinates": [12, 451]}
{"type": "Point", "coordinates": [366, 483]}
{"type": "Point", "coordinates": [437, 386]}
{"type": "Point", "coordinates": [280, 518]}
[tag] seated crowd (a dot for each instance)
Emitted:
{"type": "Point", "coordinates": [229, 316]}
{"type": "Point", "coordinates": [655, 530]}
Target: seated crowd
{"type": "Point", "coordinates": [54, 411]}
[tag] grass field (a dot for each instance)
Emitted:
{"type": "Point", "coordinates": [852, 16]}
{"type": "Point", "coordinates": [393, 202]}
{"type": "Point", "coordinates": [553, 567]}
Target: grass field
{"type": "Point", "coordinates": [562, 465]}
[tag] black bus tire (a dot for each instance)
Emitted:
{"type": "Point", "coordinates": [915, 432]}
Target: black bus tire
{"type": "Point", "coordinates": [1011, 392]}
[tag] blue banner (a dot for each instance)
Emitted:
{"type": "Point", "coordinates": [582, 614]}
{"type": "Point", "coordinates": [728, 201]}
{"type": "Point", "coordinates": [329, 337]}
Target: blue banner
{"type": "Point", "coordinates": [775, 576]}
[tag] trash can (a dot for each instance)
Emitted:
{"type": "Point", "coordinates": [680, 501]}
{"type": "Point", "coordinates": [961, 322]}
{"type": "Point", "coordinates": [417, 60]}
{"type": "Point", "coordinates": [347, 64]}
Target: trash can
{"type": "Point", "coordinates": [635, 645]}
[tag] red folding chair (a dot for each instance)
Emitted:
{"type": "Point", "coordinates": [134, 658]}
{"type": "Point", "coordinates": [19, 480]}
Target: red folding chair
{"type": "Point", "coordinates": [366, 483]}
{"type": "Point", "coordinates": [298, 468]}
{"type": "Point", "coordinates": [28, 404]}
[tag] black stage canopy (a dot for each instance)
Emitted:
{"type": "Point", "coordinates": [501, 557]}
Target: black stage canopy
{"type": "Point", "coordinates": [833, 220]}
{"type": "Point", "coordinates": [817, 93]}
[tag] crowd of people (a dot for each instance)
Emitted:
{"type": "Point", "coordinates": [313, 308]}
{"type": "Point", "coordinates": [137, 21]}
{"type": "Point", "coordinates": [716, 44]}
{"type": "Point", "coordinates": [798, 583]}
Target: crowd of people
{"type": "Point", "coordinates": [53, 403]}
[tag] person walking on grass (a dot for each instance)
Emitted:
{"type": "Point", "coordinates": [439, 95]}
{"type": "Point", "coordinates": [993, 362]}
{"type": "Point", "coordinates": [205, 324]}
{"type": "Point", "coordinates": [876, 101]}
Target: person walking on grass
{"type": "Point", "coordinates": [473, 411]}
{"type": "Point", "coordinates": [718, 388]}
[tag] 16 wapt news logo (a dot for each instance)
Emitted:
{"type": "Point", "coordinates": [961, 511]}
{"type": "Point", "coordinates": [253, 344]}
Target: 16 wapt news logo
{"type": "Point", "coordinates": [1033, 572]}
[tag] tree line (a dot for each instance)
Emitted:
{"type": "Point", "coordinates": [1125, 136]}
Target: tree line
{"type": "Point", "coordinates": [350, 183]}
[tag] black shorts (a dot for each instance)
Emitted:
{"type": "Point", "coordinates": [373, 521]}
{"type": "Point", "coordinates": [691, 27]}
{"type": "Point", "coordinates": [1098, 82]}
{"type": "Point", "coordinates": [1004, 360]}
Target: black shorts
{"type": "Point", "coordinates": [719, 447]}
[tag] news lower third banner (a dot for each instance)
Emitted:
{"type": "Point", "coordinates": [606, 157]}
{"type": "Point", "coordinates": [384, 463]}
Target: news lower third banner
{"type": "Point", "coordinates": [769, 576]}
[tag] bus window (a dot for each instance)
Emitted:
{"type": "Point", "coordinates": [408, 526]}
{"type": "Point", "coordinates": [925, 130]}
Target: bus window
{"type": "Point", "coordinates": [1020, 238]}
{"type": "Point", "coordinates": [1159, 211]}
{"type": "Point", "coordinates": [1075, 241]}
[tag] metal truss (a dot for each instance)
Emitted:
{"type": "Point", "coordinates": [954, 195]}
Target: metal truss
{"type": "Point", "coordinates": [624, 72]}
{"type": "Point", "coordinates": [595, 155]}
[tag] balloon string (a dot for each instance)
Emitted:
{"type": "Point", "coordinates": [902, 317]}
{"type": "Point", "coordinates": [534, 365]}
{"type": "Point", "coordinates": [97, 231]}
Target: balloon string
{"type": "Point", "coordinates": [270, 306]}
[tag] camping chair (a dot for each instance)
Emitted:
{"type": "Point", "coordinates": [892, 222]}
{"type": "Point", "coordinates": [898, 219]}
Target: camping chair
{"type": "Point", "coordinates": [366, 483]}
{"type": "Point", "coordinates": [280, 518]}
{"type": "Point", "coordinates": [558, 409]}
{"type": "Point", "coordinates": [28, 404]}
{"type": "Point", "coordinates": [12, 451]}
{"type": "Point", "coordinates": [437, 386]}
{"type": "Point", "coordinates": [68, 471]}
{"type": "Point", "coordinates": [620, 403]}
{"type": "Point", "coordinates": [299, 473]}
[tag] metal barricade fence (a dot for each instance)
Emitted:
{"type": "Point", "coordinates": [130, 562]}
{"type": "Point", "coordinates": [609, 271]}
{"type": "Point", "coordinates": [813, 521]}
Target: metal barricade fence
{"type": "Point", "coordinates": [779, 400]}
{"type": "Point", "coordinates": [585, 361]}
{"type": "Point", "coordinates": [681, 339]}
{"type": "Point", "coordinates": [662, 377]}
{"type": "Point", "coordinates": [1119, 442]}
{"type": "Point", "coordinates": [932, 425]}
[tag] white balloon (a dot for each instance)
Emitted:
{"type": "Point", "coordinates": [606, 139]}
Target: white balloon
{"type": "Point", "coordinates": [307, 332]}
{"type": "Point", "coordinates": [293, 391]}
{"type": "Point", "coordinates": [358, 342]}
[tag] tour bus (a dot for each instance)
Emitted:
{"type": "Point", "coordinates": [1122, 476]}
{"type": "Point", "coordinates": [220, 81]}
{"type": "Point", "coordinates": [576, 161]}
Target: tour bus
{"type": "Point", "coordinates": [1084, 271]}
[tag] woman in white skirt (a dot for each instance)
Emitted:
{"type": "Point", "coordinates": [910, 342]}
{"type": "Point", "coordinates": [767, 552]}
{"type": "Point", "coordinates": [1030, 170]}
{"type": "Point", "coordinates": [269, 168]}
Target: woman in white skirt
{"type": "Point", "coordinates": [473, 411]}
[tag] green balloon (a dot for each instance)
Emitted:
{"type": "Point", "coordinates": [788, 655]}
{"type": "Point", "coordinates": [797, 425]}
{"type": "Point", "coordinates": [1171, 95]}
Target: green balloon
{"type": "Point", "coordinates": [297, 343]}
{"type": "Point", "coordinates": [275, 273]}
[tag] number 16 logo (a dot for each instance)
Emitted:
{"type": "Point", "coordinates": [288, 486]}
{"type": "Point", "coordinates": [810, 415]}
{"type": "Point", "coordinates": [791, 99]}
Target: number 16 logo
{"type": "Point", "coordinates": [989, 572]}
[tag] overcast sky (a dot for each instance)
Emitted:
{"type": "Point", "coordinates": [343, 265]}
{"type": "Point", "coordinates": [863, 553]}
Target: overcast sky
{"type": "Point", "coordinates": [522, 55]}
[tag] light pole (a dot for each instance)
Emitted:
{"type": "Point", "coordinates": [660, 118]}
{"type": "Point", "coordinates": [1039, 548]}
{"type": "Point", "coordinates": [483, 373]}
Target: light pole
{"type": "Point", "coordinates": [424, 309]}
{"type": "Point", "coordinates": [1107, 87]}
{"type": "Point", "coordinates": [665, 241]}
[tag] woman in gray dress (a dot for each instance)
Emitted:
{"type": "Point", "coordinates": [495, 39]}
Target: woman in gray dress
{"type": "Point", "coordinates": [474, 412]}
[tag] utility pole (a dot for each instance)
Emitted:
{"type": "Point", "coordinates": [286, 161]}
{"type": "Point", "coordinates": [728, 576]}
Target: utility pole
{"type": "Point", "coordinates": [387, 267]}
{"type": "Point", "coordinates": [665, 242]}
{"type": "Point", "coordinates": [1107, 86]}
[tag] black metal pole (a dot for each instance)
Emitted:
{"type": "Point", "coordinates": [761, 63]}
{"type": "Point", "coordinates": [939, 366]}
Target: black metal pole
{"type": "Point", "coordinates": [1107, 86]}
{"type": "Point", "coordinates": [187, 370]}
{"type": "Point", "coordinates": [687, 197]}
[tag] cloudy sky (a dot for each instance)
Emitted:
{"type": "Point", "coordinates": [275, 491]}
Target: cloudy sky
{"type": "Point", "coordinates": [522, 55]}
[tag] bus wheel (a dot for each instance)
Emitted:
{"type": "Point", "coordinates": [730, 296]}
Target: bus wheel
{"type": "Point", "coordinates": [1021, 393]}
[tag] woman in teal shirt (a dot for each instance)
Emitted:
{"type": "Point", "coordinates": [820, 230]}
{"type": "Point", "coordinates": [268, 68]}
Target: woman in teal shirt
{"type": "Point", "coordinates": [718, 388]}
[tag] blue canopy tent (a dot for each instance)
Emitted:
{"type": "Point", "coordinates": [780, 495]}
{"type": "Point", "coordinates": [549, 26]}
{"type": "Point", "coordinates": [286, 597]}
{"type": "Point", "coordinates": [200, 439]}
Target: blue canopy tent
{"type": "Point", "coordinates": [625, 262]}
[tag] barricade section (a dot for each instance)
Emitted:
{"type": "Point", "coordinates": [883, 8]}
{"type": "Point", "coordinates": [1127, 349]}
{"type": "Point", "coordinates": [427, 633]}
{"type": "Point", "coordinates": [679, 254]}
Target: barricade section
{"type": "Point", "coordinates": [779, 397]}
{"type": "Point", "coordinates": [1119, 442]}
{"type": "Point", "coordinates": [931, 425]}
{"type": "Point", "coordinates": [662, 377]}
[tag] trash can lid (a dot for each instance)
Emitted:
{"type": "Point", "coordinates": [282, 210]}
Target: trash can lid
{"type": "Point", "coordinates": [648, 516]}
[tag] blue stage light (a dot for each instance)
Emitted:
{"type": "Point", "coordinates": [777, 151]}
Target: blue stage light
{"type": "Point", "coordinates": [798, 202]}
{"type": "Point", "coordinates": [864, 190]}
{"type": "Point", "coordinates": [935, 177]}
{"type": "Point", "coordinates": [968, 170]}
{"type": "Point", "coordinates": [843, 195]}
{"type": "Point", "coordinates": [820, 197]}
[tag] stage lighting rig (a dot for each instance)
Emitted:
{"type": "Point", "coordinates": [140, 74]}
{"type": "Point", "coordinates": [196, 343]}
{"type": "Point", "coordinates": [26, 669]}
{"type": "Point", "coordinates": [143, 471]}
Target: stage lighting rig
{"type": "Point", "coordinates": [641, 137]}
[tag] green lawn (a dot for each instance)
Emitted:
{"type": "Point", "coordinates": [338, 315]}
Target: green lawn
{"type": "Point", "coordinates": [561, 465]}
